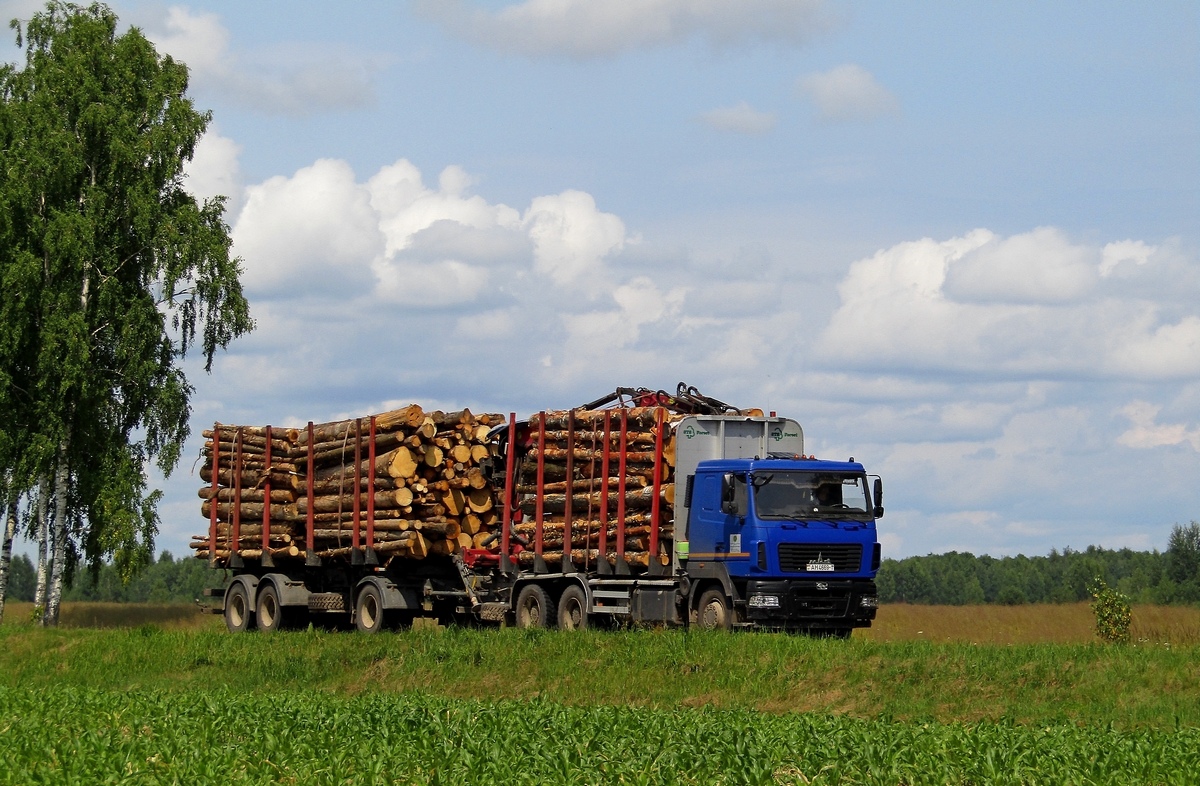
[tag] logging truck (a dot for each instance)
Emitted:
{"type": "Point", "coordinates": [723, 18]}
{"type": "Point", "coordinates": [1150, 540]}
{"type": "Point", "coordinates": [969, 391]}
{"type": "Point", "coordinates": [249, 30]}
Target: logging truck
{"type": "Point", "coordinates": [638, 508]}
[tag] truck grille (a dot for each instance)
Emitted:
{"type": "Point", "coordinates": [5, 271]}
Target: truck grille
{"type": "Point", "coordinates": [797, 557]}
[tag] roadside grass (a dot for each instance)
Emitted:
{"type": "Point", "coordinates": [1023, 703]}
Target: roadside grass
{"type": "Point", "coordinates": [118, 615]}
{"type": "Point", "coordinates": [1127, 687]}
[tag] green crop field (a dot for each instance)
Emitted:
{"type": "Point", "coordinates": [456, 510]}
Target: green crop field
{"type": "Point", "coordinates": [183, 702]}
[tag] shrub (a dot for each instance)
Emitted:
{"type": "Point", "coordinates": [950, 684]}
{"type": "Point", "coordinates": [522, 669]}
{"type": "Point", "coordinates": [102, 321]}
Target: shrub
{"type": "Point", "coordinates": [1113, 615]}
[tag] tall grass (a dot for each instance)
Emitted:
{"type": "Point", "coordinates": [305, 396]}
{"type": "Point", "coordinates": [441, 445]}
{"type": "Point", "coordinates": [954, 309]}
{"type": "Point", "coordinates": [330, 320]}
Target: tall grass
{"type": "Point", "coordinates": [73, 735]}
{"type": "Point", "coordinates": [1127, 687]}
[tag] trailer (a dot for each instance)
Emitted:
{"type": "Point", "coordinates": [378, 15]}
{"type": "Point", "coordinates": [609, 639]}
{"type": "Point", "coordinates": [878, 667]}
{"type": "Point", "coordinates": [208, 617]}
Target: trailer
{"type": "Point", "coordinates": [638, 508]}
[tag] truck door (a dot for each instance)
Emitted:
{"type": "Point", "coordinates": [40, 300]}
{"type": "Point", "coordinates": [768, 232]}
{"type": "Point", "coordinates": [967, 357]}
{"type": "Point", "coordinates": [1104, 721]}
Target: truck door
{"type": "Point", "coordinates": [716, 534]}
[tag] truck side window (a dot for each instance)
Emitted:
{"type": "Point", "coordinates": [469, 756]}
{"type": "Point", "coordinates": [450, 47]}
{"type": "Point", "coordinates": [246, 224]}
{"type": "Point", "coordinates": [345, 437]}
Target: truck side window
{"type": "Point", "coordinates": [740, 495]}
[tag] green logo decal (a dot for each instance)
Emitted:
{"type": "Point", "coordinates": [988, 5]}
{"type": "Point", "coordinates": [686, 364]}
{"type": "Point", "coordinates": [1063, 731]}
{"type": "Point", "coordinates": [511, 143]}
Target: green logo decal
{"type": "Point", "coordinates": [777, 434]}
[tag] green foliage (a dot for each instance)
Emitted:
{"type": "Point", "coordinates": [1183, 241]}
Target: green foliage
{"type": "Point", "coordinates": [1113, 615]}
{"type": "Point", "coordinates": [1061, 577]}
{"type": "Point", "coordinates": [71, 735]}
{"type": "Point", "coordinates": [22, 578]}
{"type": "Point", "coordinates": [163, 581]}
{"type": "Point", "coordinates": [111, 272]}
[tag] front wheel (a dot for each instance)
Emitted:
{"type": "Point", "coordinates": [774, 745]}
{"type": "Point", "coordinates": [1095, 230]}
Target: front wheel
{"type": "Point", "coordinates": [239, 617]}
{"type": "Point", "coordinates": [713, 612]}
{"type": "Point", "coordinates": [534, 607]}
{"type": "Point", "coordinates": [572, 609]}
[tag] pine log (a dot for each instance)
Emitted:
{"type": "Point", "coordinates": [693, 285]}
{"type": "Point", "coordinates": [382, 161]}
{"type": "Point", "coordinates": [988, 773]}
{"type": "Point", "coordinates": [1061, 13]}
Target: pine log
{"type": "Point", "coordinates": [280, 496]}
{"type": "Point", "coordinates": [248, 510]}
{"type": "Point", "coordinates": [636, 498]}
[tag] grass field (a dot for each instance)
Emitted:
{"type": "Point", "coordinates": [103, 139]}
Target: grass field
{"type": "Point", "coordinates": [983, 695]}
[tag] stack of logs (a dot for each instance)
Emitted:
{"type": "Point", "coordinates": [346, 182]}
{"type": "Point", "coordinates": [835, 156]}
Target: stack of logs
{"type": "Point", "coordinates": [596, 487]}
{"type": "Point", "coordinates": [430, 493]}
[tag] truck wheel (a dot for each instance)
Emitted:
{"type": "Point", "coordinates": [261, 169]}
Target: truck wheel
{"type": "Point", "coordinates": [369, 616]}
{"type": "Point", "coordinates": [534, 607]}
{"type": "Point", "coordinates": [268, 612]}
{"type": "Point", "coordinates": [713, 611]}
{"type": "Point", "coordinates": [572, 609]}
{"type": "Point", "coordinates": [239, 618]}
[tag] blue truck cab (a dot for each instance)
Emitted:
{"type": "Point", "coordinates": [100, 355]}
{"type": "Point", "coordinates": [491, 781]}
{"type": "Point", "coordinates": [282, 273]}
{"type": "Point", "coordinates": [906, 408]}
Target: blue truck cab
{"type": "Point", "coordinates": [769, 537]}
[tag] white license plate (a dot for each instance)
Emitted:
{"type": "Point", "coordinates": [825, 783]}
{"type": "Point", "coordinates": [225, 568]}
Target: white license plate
{"type": "Point", "coordinates": [819, 567]}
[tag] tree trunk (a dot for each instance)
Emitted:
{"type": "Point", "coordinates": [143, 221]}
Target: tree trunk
{"type": "Point", "coordinates": [57, 566]}
{"type": "Point", "coordinates": [10, 529]}
{"type": "Point", "coordinates": [43, 540]}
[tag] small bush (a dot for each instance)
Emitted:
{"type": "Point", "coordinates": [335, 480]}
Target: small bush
{"type": "Point", "coordinates": [1113, 615]}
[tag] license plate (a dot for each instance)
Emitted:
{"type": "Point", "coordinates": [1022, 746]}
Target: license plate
{"type": "Point", "coordinates": [819, 567]}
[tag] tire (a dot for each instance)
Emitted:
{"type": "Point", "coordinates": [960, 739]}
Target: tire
{"type": "Point", "coordinates": [713, 612]}
{"type": "Point", "coordinates": [573, 609]}
{"type": "Point", "coordinates": [369, 615]}
{"type": "Point", "coordinates": [267, 611]}
{"type": "Point", "coordinates": [239, 615]}
{"type": "Point", "coordinates": [534, 607]}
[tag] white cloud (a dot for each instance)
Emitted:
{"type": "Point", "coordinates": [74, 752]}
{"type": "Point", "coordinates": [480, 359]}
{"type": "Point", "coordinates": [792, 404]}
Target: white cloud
{"type": "Point", "coordinates": [214, 170]}
{"type": "Point", "coordinates": [597, 28]}
{"type": "Point", "coordinates": [848, 93]}
{"type": "Point", "coordinates": [1123, 253]}
{"type": "Point", "coordinates": [291, 80]}
{"type": "Point", "coordinates": [1041, 266]}
{"type": "Point", "coordinates": [1025, 306]}
{"type": "Point", "coordinates": [1146, 433]}
{"type": "Point", "coordinates": [314, 233]}
{"type": "Point", "coordinates": [740, 118]}
{"type": "Point", "coordinates": [570, 236]}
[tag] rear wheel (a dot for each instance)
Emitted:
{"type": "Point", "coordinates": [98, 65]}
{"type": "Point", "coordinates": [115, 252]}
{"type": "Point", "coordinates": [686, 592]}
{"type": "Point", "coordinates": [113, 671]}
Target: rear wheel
{"type": "Point", "coordinates": [572, 609]}
{"type": "Point", "coordinates": [713, 612]}
{"type": "Point", "coordinates": [369, 616]}
{"type": "Point", "coordinates": [239, 617]}
{"type": "Point", "coordinates": [268, 612]}
{"type": "Point", "coordinates": [534, 607]}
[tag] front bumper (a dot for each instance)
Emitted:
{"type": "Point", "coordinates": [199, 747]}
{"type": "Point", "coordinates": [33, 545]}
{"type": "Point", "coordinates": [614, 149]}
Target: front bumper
{"type": "Point", "coordinates": [811, 603]}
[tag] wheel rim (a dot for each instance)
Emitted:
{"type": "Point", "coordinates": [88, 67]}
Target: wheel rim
{"type": "Point", "coordinates": [269, 611]}
{"type": "Point", "coordinates": [237, 610]}
{"type": "Point", "coordinates": [370, 611]}
{"type": "Point", "coordinates": [533, 612]}
{"type": "Point", "coordinates": [574, 615]}
{"type": "Point", "coordinates": [714, 614]}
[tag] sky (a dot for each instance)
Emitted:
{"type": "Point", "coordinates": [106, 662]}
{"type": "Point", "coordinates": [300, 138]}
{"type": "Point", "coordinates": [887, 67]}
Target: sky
{"type": "Point", "coordinates": [959, 242]}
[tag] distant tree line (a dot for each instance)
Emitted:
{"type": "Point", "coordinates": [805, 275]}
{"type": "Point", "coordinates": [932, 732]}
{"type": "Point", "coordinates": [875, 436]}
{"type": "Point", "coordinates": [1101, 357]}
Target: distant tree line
{"type": "Point", "coordinates": [166, 580]}
{"type": "Point", "coordinates": [955, 578]}
{"type": "Point", "coordinates": [960, 579]}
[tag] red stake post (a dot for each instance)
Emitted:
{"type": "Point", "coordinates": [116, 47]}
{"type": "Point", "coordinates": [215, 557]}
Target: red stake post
{"type": "Point", "coordinates": [621, 564]}
{"type": "Point", "coordinates": [308, 537]}
{"type": "Point", "coordinates": [236, 548]}
{"type": "Point", "coordinates": [371, 488]}
{"type": "Point", "coordinates": [266, 520]}
{"type": "Point", "coordinates": [567, 563]}
{"type": "Point", "coordinates": [216, 490]}
{"type": "Point", "coordinates": [541, 485]}
{"type": "Point", "coordinates": [355, 538]}
{"type": "Point", "coordinates": [655, 506]}
{"type": "Point", "coordinates": [509, 465]}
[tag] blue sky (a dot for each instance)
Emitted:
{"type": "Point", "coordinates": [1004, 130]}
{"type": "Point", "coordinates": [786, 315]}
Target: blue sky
{"type": "Point", "coordinates": [958, 241]}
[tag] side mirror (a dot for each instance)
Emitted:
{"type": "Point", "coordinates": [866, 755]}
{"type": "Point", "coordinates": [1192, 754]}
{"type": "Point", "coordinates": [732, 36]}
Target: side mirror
{"type": "Point", "coordinates": [878, 512]}
{"type": "Point", "coordinates": [727, 505]}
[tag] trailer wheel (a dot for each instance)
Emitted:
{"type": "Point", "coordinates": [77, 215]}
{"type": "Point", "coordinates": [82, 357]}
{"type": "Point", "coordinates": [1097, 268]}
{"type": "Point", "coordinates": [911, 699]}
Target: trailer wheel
{"type": "Point", "coordinates": [713, 611]}
{"type": "Point", "coordinates": [534, 607]}
{"type": "Point", "coordinates": [268, 612]}
{"type": "Point", "coordinates": [369, 616]}
{"type": "Point", "coordinates": [239, 617]}
{"type": "Point", "coordinates": [572, 609]}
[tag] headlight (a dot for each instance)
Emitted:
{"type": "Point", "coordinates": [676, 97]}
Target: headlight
{"type": "Point", "coordinates": [869, 601]}
{"type": "Point", "coordinates": [764, 601]}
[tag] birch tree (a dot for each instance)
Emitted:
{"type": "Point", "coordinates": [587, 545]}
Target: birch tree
{"type": "Point", "coordinates": [111, 272]}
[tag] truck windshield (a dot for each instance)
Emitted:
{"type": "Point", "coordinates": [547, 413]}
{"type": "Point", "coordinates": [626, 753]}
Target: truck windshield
{"type": "Point", "coordinates": [806, 495]}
